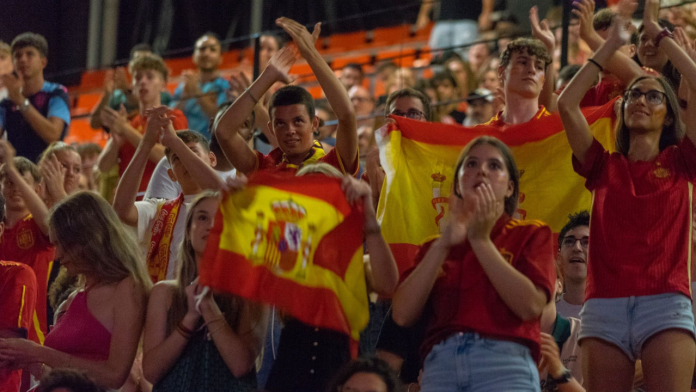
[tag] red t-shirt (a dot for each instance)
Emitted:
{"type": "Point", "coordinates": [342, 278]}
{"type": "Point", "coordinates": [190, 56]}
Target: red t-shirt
{"type": "Point", "coordinates": [25, 243]}
{"type": "Point", "coordinates": [464, 300]}
{"type": "Point", "coordinates": [641, 222]}
{"type": "Point", "coordinates": [18, 296]}
{"type": "Point", "coordinates": [276, 161]}
{"type": "Point", "coordinates": [127, 150]}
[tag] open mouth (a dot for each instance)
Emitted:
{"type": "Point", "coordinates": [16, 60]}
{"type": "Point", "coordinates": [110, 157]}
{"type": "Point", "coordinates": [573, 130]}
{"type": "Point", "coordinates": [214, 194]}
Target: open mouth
{"type": "Point", "coordinates": [576, 260]}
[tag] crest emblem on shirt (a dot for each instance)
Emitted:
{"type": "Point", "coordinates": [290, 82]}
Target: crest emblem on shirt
{"type": "Point", "coordinates": [506, 255]}
{"type": "Point", "coordinates": [661, 172]}
{"type": "Point", "coordinates": [25, 239]}
{"type": "Point", "coordinates": [439, 201]}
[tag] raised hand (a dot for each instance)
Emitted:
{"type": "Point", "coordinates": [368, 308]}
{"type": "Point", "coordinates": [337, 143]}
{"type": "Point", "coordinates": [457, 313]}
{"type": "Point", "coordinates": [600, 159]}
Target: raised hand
{"type": "Point", "coordinates": [541, 30]}
{"type": "Point", "coordinates": [584, 11]}
{"type": "Point", "coordinates": [238, 84]}
{"type": "Point", "coordinates": [53, 174]}
{"type": "Point", "coordinates": [486, 212]}
{"type": "Point", "coordinates": [618, 35]}
{"type": "Point", "coordinates": [455, 230]}
{"type": "Point", "coordinates": [685, 42]}
{"type": "Point", "coordinates": [121, 79]}
{"type": "Point", "coordinates": [626, 8]}
{"type": "Point", "coordinates": [109, 84]}
{"type": "Point", "coordinates": [192, 81]}
{"type": "Point", "coordinates": [7, 153]}
{"type": "Point", "coordinates": [357, 191]}
{"type": "Point", "coordinates": [303, 39]}
{"type": "Point", "coordinates": [650, 14]}
{"type": "Point", "coordinates": [114, 120]}
{"type": "Point", "coordinates": [14, 85]}
{"type": "Point", "coordinates": [236, 183]}
{"type": "Point", "coordinates": [280, 64]}
{"type": "Point", "coordinates": [159, 118]}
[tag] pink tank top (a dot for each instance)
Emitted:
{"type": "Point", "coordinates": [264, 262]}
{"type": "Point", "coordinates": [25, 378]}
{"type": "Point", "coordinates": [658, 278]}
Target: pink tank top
{"type": "Point", "coordinates": [79, 333]}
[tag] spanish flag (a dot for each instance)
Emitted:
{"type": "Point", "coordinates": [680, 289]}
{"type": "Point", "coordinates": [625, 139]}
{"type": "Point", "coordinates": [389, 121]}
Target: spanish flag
{"type": "Point", "coordinates": [293, 242]}
{"type": "Point", "coordinates": [418, 159]}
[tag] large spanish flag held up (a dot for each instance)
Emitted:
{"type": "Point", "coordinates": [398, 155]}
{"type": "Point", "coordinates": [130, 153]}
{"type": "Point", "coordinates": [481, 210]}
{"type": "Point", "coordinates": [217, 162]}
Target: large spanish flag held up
{"type": "Point", "coordinates": [293, 242]}
{"type": "Point", "coordinates": [419, 160]}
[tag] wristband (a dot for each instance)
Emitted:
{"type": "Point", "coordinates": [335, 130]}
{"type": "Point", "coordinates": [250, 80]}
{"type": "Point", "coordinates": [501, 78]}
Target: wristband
{"type": "Point", "coordinates": [591, 60]}
{"type": "Point", "coordinates": [664, 33]}
{"type": "Point", "coordinates": [565, 377]}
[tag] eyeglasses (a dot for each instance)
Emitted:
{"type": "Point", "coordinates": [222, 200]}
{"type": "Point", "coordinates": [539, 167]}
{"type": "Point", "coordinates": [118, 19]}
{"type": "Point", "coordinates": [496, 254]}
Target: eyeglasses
{"type": "Point", "coordinates": [570, 241]}
{"type": "Point", "coordinates": [413, 114]}
{"type": "Point", "coordinates": [652, 97]}
{"type": "Point", "coordinates": [349, 389]}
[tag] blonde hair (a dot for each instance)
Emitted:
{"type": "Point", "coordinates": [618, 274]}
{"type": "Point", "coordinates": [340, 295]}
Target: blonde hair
{"type": "Point", "coordinates": [55, 147]}
{"type": "Point", "coordinates": [187, 272]}
{"type": "Point", "coordinates": [320, 168]}
{"type": "Point", "coordinates": [90, 233]}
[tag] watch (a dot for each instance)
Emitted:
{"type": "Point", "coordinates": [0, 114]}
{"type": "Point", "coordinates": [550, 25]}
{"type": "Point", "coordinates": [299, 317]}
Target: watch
{"type": "Point", "coordinates": [564, 378]}
{"type": "Point", "coordinates": [662, 34]}
{"type": "Point", "coordinates": [24, 106]}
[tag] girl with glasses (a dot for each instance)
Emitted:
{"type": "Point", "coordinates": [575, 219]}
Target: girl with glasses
{"type": "Point", "coordinates": [638, 299]}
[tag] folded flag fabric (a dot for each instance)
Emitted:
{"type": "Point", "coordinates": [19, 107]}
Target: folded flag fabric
{"type": "Point", "coordinates": [293, 242]}
{"type": "Point", "coordinates": [418, 159]}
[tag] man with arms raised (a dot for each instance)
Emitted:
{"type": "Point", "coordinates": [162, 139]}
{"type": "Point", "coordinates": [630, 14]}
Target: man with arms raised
{"type": "Point", "coordinates": [291, 109]}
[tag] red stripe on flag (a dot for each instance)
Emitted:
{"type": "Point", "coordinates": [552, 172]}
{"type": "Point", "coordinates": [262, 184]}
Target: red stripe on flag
{"type": "Point", "coordinates": [318, 307]}
{"type": "Point", "coordinates": [331, 254]}
{"type": "Point", "coordinates": [312, 185]}
{"type": "Point", "coordinates": [514, 135]}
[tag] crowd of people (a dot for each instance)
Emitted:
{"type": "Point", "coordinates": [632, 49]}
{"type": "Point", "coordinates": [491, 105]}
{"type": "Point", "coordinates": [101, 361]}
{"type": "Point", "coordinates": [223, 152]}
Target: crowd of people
{"type": "Point", "coordinates": [100, 248]}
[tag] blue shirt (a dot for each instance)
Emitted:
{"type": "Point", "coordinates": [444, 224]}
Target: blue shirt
{"type": "Point", "coordinates": [51, 101]}
{"type": "Point", "coordinates": [197, 119]}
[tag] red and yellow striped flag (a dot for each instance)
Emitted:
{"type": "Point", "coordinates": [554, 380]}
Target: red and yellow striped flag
{"type": "Point", "coordinates": [419, 160]}
{"type": "Point", "coordinates": [293, 242]}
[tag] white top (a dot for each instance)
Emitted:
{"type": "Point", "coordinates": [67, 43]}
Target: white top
{"type": "Point", "coordinates": [147, 209]}
{"type": "Point", "coordinates": [568, 310]}
{"type": "Point", "coordinates": [162, 187]}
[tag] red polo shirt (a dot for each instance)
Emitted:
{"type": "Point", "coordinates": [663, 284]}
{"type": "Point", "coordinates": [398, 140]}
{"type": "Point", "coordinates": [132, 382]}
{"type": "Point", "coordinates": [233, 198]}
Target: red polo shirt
{"type": "Point", "coordinates": [25, 243]}
{"type": "Point", "coordinates": [463, 298]}
{"type": "Point", "coordinates": [640, 231]}
{"type": "Point", "coordinates": [18, 296]}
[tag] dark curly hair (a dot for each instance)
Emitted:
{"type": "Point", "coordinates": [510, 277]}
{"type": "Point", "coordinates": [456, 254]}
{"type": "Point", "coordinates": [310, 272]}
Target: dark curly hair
{"type": "Point", "coordinates": [530, 46]}
{"type": "Point", "coordinates": [69, 379]}
{"type": "Point", "coordinates": [370, 365]}
{"type": "Point", "coordinates": [581, 218]}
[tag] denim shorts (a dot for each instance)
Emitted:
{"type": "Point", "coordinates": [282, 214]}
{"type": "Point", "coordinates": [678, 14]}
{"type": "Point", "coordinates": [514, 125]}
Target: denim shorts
{"type": "Point", "coordinates": [628, 322]}
{"type": "Point", "coordinates": [467, 362]}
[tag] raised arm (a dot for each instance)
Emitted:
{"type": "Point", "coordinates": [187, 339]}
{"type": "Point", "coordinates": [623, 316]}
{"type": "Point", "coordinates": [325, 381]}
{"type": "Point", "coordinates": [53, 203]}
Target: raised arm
{"type": "Point", "coordinates": [619, 64]}
{"type": "Point", "coordinates": [108, 158]}
{"type": "Point", "coordinates": [689, 119]}
{"type": "Point", "coordinates": [127, 190]}
{"type": "Point", "coordinates": [576, 127]}
{"type": "Point", "coordinates": [227, 132]}
{"type": "Point", "coordinates": [542, 32]}
{"type": "Point", "coordinates": [679, 57]}
{"type": "Point", "coordinates": [382, 273]}
{"type": "Point", "coordinates": [336, 94]}
{"type": "Point", "coordinates": [33, 201]}
{"type": "Point", "coordinates": [205, 176]}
